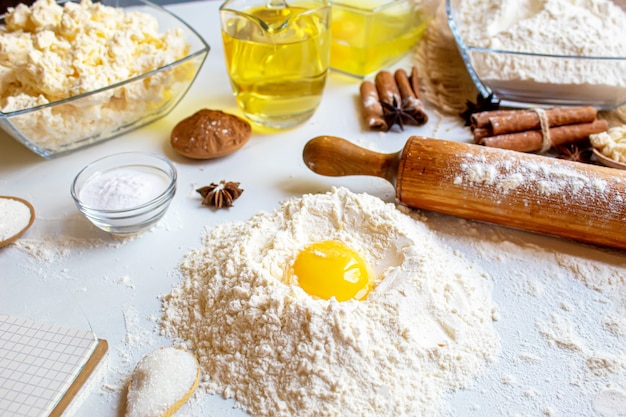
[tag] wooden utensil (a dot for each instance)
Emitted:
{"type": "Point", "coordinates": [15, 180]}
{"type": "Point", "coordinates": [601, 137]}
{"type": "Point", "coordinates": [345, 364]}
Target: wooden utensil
{"type": "Point", "coordinates": [569, 199]}
{"type": "Point", "coordinates": [10, 239]}
{"type": "Point", "coordinates": [605, 160]}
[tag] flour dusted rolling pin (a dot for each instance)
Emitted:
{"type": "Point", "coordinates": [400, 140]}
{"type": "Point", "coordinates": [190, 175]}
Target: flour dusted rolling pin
{"type": "Point", "coordinates": [526, 191]}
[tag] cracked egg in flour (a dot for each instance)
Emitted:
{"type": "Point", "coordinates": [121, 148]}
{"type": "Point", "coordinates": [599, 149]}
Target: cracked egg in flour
{"type": "Point", "coordinates": [416, 322]}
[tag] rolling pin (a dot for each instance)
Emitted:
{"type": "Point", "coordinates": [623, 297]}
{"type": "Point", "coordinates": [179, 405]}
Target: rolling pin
{"type": "Point", "coordinates": [578, 201]}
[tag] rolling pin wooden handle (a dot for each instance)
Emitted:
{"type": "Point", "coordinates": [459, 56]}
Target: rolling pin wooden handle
{"type": "Point", "coordinates": [569, 199]}
{"type": "Point", "coordinates": [337, 157]}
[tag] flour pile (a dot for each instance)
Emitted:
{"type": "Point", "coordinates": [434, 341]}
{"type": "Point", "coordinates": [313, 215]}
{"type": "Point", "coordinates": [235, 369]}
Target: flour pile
{"type": "Point", "coordinates": [425, 329]}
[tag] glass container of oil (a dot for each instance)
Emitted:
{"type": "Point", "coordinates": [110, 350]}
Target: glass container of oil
{"type": "Point", "coordinates": [277, 56]}
{"type": "Point", "coordinates": [368, 35]}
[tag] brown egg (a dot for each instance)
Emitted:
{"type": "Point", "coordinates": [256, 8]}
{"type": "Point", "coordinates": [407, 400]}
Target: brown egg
{"type": "Point", "coordinates": [210, 134]}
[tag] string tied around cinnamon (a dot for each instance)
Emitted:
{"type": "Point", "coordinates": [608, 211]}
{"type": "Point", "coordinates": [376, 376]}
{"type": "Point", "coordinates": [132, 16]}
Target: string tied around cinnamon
{"type": "Point", "coordinates": [544, 124]}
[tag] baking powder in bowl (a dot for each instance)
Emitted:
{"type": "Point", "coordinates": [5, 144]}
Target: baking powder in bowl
{"type": "Point", "coordinates": [123, 188]}
{"type": "Point", "coordinates": [425, 329]}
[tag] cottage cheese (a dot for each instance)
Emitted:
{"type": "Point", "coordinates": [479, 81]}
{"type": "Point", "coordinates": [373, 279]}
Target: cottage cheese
{"type": "Point", "coordinates": [49, 52]}
{"type": "Point", "coordinates": [611, 143]}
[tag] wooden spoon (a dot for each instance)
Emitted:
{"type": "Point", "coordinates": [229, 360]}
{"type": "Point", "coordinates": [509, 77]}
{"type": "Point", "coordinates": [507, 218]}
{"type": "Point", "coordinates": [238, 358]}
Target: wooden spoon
{"type": "Point", "coordinates": [609, 162]}
{"type": "Point", "coordinates": [10, 233]}
{"type": "Point", "coordinates": [162, 382]}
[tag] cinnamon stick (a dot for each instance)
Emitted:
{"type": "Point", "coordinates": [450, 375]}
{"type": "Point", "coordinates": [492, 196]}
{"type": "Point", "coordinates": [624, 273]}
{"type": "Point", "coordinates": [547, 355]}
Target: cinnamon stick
{"type": "Point", "coordinates": [481, 119]}
{"type": "Point", "coordinates": [532, 140]}
{"type": "Point", "coordinates": [372, 109]}
{"type": "Point", "coordinates": [387, 88]}
{"type": "Point", "coordinates": [409, 101]}
{"type": "Point", "coordinates": [509, 121]}
{"type": "Point", "coordinates": [556, 117]}
{"type": "Point", "coordinates": [480, 133]}
{"type": "Point", "coordinates": [415, 82]}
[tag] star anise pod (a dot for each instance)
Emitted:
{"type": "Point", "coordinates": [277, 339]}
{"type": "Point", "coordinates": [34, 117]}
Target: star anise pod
{"type": "Point", "coordinates": [220, 195]}
{"type": "Point", "coordinates": [395, 114]}
{"type": "Point", "coordinates": [574, 153]}
{"type": "Point", "coordinates": [482, 104]}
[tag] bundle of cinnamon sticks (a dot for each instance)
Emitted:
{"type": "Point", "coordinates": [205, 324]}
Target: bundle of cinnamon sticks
{"type": "Point", "coordinates": [392, 98]}
{"type": "Point", "coordinates": [522, 130]}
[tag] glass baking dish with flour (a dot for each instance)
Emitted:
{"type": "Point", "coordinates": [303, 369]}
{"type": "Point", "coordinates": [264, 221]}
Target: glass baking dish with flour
{"type": "Point", "coordinates": [525, 79]}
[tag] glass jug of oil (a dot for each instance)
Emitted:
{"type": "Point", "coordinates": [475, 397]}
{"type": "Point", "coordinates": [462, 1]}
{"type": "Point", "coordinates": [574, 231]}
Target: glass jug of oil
{"type": "Point", "coordinates": [277, 56]}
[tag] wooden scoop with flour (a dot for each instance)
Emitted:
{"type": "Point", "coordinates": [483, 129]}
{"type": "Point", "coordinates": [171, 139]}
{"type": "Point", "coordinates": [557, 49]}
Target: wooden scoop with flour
{"type": "Point", "coordinates": [569, 199]}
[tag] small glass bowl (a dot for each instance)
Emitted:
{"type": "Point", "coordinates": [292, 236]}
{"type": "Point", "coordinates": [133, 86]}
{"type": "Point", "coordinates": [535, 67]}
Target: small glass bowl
{"type": "Point", "coordinates": [517, 91]}
{"type": "Point", "coordinates": [64, 126]}
{"type": "Point", "coordinates": [125, 193]}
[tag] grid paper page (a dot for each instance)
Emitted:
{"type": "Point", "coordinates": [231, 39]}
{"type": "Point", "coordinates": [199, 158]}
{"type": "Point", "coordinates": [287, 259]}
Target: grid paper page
{"type": "Point", "coordinates": [38, 363]}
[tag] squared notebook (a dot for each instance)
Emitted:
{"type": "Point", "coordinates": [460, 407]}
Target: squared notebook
{"type": "Point", "coordinates": [43, 366]}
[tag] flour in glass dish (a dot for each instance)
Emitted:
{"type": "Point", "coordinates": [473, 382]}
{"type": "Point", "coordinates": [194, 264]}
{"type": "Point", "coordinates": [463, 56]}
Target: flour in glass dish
{"type": "Point", "coordinates": [558, 27]}
{"type": "Point", "coordinates": [425, 330]}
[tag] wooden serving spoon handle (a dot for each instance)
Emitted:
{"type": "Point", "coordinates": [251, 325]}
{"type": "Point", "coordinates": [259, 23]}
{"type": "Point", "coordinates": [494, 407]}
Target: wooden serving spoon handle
{"type": "Point", "coordinates": [569, 199]}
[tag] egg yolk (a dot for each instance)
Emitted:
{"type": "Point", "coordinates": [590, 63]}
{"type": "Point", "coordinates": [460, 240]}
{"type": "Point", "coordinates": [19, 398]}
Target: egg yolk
{"type": "Point", "coordinates": [331, 269]}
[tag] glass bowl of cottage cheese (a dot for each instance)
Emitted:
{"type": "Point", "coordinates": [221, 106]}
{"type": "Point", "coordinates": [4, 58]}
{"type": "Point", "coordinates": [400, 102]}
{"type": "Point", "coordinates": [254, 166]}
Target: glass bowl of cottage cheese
{"type": "Point", "coordinates": [77, 73]}
{"type": "Point", "coordinates": [543, 52]}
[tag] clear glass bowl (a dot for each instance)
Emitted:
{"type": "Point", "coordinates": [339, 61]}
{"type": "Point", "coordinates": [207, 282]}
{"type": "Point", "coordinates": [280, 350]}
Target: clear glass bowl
{"type": "Point", "coordinates": [67, 125]}
{"type": "Point", "coordinates": [526, 90]}
{"type": "Point", "coordinates": [369, 35]}
{"type": "Point", "coordinates": [125, 193]}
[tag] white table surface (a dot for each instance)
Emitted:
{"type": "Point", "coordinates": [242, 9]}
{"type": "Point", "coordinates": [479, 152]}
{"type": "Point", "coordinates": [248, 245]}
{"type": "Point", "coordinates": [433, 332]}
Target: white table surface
{"type": "Point", "coordinates": [65, 271]}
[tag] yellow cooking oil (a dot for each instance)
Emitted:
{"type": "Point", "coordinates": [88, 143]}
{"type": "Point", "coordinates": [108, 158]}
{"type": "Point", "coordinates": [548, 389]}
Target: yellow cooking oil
{"type": "Point", "coordinates": [278, 59]}
{"type": "Point", "coordinates": [368, 35]}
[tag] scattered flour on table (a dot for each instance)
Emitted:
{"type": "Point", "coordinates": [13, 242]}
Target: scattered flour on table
{"type": "Point", "coordinates": [424, 331]}
{"type": "Point", "coordinates": [571, 351]}
{"type": "Point", "coordinates": [611, 402]}
{"type": "Point", "coordinates": [52, 250]}
{"type": "Point", "coordinates": [560, 27]}
{"type": "Point", "coordinates": [559, 332]}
